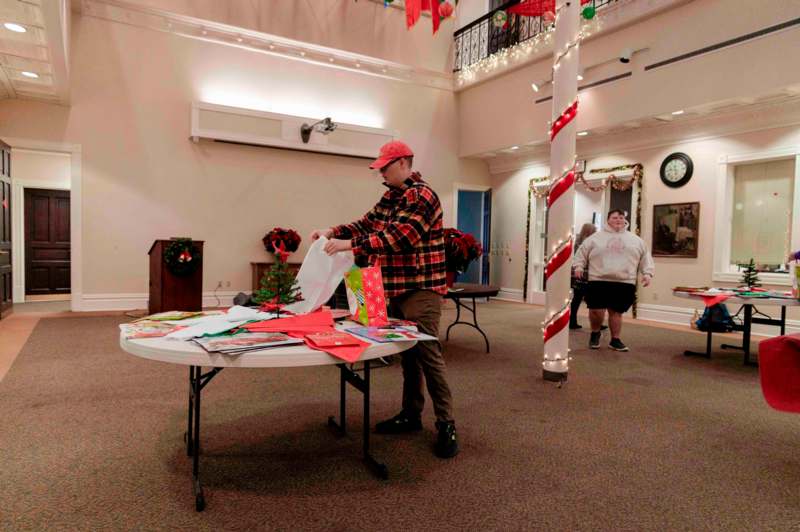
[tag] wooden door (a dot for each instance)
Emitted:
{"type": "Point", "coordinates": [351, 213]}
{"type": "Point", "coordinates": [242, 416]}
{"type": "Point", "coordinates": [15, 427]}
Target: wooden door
{"type": "Point", "coordinates": [5, 229]}
{"type": "Point", "coordinates": [47, 242]}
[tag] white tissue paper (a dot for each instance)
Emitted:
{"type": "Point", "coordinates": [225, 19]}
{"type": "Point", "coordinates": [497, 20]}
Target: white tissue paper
{"type": "Point", "coordinates": [319, 276]}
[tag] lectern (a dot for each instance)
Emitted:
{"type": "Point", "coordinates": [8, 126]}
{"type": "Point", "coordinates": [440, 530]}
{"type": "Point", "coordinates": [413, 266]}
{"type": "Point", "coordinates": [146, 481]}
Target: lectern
{"type": "Point", "coordinates": [169, 291]}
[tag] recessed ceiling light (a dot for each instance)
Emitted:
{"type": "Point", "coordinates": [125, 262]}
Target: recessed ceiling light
{"type": "Point", "coordinates": [302, 54]}
{"type": "Point", "coordinates": [514, 147]}
{"type": "Point", "coordinates": [358, 65]}
{"type": "Point", "coordinates": [535, 87]}
{"type": "Point", "coordinates": [204, 32]}
{"type": "Point", "coordinates": [15, 27]}
{"type": "Point", "coordinates": [583, 133]}
{"type": "Point", "coordinates": [331, 59]}
{"type": "Point", "coordinates": [678, 112]}
{"type": "Point", "coordinates": [238, 39]}
{"type": "Point", "coordinates": [271, 46]}
{"type": "Point", "coordinates": [29, 74]}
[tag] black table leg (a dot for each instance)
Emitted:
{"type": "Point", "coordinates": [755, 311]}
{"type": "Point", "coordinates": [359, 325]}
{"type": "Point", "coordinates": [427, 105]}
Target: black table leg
{"type": "Point", "coordinates": [783, 320]}
{"type": "Point", "coordinates": [474, 323]}
{"type": "Point", "coordinates": [707, 354]}
{"type": "Point", "coordinates": [361, 384]}
{"type": "Point", "coordinates": [746, 330]}
{"type": "Point", "coordinates": [197, 381]}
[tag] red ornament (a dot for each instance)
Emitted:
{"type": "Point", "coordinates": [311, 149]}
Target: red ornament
{"type": "Point", "coordinates": [446, 9]}
{"type": "Point", "coordinates": [185, 256]}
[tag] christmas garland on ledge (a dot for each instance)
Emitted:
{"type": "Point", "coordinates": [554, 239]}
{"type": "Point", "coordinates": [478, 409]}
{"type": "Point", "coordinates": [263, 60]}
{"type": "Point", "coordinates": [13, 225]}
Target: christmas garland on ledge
{"type": "Point", "coordinates": [182, 257]}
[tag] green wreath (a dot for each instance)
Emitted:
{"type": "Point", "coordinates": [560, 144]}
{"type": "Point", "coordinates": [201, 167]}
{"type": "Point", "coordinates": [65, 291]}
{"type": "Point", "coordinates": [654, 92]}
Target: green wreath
{"type": "Point", "coordinates": [182, 257]}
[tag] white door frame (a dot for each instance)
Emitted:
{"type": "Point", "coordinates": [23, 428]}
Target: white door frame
{"type": "Point", "coordinates": [477, 188]}
{"type": "Point", "coordinates": [75, 219]}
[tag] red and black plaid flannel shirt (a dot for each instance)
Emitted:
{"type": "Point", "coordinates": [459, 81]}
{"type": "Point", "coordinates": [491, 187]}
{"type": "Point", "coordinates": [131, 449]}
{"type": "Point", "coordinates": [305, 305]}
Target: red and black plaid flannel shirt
{"type": "Point", "coordinates": [404, 231]}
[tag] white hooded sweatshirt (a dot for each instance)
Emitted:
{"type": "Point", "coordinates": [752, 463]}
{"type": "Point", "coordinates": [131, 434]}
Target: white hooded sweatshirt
{"type": "Point", "coordinates": [615, 256]}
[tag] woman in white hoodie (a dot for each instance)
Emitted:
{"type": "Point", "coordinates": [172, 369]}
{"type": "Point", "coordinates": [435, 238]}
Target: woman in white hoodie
{"type": "Point", "coordinates": [614, 258]}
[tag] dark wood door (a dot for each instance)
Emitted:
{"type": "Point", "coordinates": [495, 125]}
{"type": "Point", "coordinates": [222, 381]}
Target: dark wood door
{"type": "Point", "coordinates": [5, 229]}
{"type": "Point", "coordinates": [47, 242]}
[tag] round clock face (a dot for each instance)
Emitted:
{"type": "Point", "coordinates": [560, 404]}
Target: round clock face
{"type": "Point", "coordinates": [675, 170]}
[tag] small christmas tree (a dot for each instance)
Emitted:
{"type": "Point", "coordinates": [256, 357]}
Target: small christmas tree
{"type": "Point", "coordinates": [278, 286]}
{"type": "Point", "coordinates": [750, 275]}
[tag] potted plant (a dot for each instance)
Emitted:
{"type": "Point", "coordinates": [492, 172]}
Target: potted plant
{"type": "Point", "coordinates": [460, 250]}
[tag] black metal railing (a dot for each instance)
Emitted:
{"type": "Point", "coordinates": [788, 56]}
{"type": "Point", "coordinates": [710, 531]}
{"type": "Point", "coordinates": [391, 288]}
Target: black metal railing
{"type": "Point", "coordinates": [481, 38]}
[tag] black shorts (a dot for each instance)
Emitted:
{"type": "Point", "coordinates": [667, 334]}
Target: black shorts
{"type": "Point", "coordinates": [611, 295]}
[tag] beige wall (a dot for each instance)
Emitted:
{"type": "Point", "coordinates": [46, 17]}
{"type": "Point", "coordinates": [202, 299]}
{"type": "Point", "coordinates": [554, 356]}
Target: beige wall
{"type": "Point", "coordinates": [362, 27]}
{"type": "Point", "coordinates": [41, 169]}
{"type": "Point", "coordinates": [750, 69]}
{"type": "Point", "coordinates": [510, 195]}
{"type": "Point", "coordinates": [143, 179]}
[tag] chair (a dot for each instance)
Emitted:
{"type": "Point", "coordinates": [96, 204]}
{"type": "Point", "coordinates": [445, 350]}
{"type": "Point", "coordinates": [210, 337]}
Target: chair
{"type": "Point", "coordinates": [779, 366]}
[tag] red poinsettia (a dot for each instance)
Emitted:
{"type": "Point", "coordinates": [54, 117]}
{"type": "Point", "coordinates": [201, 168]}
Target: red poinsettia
{"type": "Point", "coordinates": [289, 239]}
{"type": "Point", "coordinates": [460, 249]}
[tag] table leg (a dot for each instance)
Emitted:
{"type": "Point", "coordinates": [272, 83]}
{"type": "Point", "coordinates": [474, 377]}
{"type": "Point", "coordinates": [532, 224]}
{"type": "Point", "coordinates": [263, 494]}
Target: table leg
{"type": "Point", "coordinates": [783, 320]}
{"type": "Point", "coordinates": [199, 498]}
{"type": "Point", "coordinates": [707, 354]}
{"type": "Point", "coordinates": [748, 317]}
{"type": "Point", "coordinates": [197, 382]}
{"type": "Point", "coordinates": [361, 384]}
{"type": "Point", "coordinates": [474, 323]}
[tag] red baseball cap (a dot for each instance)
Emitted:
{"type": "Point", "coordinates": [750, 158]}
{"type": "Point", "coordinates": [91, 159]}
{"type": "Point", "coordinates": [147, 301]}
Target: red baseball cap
{"type": "Point", "coordinates": [389, 152]}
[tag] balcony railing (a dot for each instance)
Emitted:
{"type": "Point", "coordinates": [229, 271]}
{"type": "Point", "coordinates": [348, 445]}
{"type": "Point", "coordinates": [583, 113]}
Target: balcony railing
{"type": "Point", "coordinates": [481, 38]}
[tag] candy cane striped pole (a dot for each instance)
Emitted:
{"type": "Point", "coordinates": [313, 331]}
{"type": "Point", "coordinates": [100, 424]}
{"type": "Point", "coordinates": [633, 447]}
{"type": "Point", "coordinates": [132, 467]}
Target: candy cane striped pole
{"type": "Point", "coordinates": [561, 197]}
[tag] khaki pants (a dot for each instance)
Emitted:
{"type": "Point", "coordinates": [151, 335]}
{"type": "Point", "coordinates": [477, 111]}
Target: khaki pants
{"type": "Point", "coordinates": [425, 308]}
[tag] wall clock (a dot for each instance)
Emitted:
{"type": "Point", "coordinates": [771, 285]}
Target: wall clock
{"type": "Point", "coordinates": [676, 170]}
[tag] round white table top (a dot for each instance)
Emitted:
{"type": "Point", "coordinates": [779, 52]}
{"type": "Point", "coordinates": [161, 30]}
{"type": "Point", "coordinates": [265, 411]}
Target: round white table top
{"type": "Point", "coordinates": [191, 354]}
{"type": "Point", "coordinates": [775, 301]}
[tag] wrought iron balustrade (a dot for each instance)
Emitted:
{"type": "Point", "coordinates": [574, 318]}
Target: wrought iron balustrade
{"type": "Point", "coordinates": [481, 38]}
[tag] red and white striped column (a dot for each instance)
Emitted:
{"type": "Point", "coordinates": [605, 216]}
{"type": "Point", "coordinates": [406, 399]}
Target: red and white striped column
{"type": "Point", "coordinates": [561, 197]}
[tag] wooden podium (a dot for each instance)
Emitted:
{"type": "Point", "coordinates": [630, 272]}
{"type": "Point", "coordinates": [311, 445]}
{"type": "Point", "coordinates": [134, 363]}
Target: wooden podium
{"type": "Point", "coordinates": [169, 291]}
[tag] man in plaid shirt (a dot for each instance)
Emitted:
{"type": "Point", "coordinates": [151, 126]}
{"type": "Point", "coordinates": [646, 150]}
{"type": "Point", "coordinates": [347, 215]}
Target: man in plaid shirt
{"type": "Point", "coordinates": [404, 232]}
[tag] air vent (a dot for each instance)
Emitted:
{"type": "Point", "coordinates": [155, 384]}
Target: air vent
{"type": "Point", "coordinates": [724, 44]}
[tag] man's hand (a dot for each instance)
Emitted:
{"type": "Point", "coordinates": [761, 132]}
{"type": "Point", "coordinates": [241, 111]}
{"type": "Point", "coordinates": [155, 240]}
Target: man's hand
{"type": "Point", "coordinates": [327, 233]}
{"type": "Point", "coordinates": [646, 280]}
{"type": "Point", "coordinates": [335, 246]}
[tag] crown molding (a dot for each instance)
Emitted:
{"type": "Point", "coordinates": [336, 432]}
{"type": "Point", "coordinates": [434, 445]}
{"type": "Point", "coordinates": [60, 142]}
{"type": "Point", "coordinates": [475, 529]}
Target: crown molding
{"type": "Point", "coordinates": [750, 119]}
{"type": "Point", "coordinates": [264, 43]}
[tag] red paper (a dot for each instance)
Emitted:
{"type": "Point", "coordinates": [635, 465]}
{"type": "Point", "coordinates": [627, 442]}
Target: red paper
{"type": "Point", "coordinates": [710, 301]}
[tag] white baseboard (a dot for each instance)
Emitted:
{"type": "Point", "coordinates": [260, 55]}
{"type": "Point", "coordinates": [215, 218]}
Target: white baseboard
{"type": "Point", "coordinates": [111, 302]}
{"type": "Point", "coordinates": [510, 294]}
{"type": "Point", "coordinates": [683, 316]}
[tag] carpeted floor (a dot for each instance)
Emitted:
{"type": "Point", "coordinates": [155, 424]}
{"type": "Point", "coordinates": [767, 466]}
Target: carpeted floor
{"type": "Point", "coordinates": [91, 438]}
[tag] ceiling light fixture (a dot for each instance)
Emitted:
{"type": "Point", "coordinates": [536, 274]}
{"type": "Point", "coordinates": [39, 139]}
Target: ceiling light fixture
{"type": "Point", "coordinates": [535, 87]}
{"type": "Point", "coordinates": [583, 133]}
{"type": "Point", "coordinates": [678, 112]}
{"type": "Point", "coordinates": [15, 27]}
{"type": "Point", "coordinates": [514, 147]}
{"type": "Point", "coordinates": [580, 75]}
{"type": "Point", "coordinates": [27, 74]}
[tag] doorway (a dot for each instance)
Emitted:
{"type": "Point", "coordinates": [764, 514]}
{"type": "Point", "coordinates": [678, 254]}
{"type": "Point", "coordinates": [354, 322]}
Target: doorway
{"type": "Point", "coordinates": [47, 242]}
{"type": "Point", "coordinates": [5, 230]}
{"type": "Point", "coordinates": [474, 215]}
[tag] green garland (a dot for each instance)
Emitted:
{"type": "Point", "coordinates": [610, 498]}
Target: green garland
{"type": "Point", "coordinates": [182, 257]}
{"type": "Point", "coordinates": [638, 174]}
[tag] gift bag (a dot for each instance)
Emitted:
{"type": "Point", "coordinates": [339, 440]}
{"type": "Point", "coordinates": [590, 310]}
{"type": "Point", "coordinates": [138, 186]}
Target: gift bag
{"type": "Point", "coordinates": [319, 276]}
{"type": "Point", "coordinates": [365, 296]}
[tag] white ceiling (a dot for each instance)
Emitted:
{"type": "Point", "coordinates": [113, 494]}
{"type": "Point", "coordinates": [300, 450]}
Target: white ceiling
{"type": "Point", "coordinates": [41, 50]}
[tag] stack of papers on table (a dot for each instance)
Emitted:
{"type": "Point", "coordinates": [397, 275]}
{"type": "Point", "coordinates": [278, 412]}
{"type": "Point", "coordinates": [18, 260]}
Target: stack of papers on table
{"type": "Point", "coordinates": [147, 329]}
{"type": "Point", "coordinates": [240, 343]}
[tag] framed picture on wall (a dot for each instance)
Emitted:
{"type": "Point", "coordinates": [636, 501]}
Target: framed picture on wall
{"type": "Point", "coordinates": [675, 229]}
